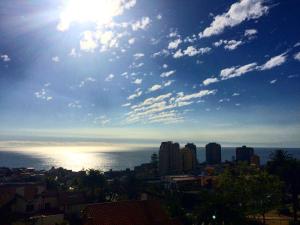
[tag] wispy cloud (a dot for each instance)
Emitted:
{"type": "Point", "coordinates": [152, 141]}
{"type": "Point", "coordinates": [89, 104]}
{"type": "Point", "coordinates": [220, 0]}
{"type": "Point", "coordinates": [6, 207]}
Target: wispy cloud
{"type": "Point", "coordinates": [138, 92]}
{"type": "Point", "coordinates": [273, 62]}
{"type": "Point", "coordinates": [297, 56]}
{"type": "Point", "coordinates": [168, 73]}
{"type": "Point", "coordinates": [75, 105]}
{"type": "Point", "coordinates": [141, 24]}
{"type": "Point", "coordinates": [86, 80]}
{"type": "Point", "coordinates": [137, 81]}
{"type": "Point", "coordinates": [174, 44]}
{"type": "Point", "coordinates": [55, 59]}
{"type": "Point", "coordinates": [102, 120]}
{"type": "Point", "coordinates": [191, 51]}
{"type": "Point", "coordinates": [5, 58]}
{"type": "Point", "coordinates": [138, 55]}
{"type": "Point", "coordinates": [155, 87]}
{"type": "Point", "coordinates": [43, 94]}
{"type": "Point", "coordinates": [210, 81]}
{"type": "Point", "coordinates": [109, 77]}
{"type": "Point", "coordinates": [229, 45]}
{"type": "Point", "coordinates": [162, 109]}
{"type": "Point", "coordinates": [237, 71]}
{"type": "Point", "coordinates": [239, 12]}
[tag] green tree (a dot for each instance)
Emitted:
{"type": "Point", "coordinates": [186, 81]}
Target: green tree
{"type": "Point", "coordinates": [265, 193]}
{"type": "Point", "coordinates": [288, 169]}
{"type": "Point", "coordinates": [241, 191]}
{"type": "Point", "coordinates": [92, 182]}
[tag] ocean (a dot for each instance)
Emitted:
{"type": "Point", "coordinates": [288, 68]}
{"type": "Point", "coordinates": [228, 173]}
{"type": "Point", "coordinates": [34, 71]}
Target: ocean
{"type": "Point", "coordinates": [104, 160]}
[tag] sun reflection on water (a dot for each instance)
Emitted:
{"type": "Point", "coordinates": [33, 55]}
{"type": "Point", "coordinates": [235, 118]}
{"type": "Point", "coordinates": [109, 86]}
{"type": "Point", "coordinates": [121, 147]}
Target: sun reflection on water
{"type": "Point", "coordinates": [76, 157]}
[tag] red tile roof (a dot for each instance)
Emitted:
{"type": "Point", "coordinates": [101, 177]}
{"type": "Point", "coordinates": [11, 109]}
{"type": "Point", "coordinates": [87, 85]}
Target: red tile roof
{"type": "Point", "coordinates": [126, 213]}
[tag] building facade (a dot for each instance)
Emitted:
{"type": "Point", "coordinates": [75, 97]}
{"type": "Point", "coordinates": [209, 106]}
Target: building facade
{"type": "Point", "coordinates": [244, 154]}
{"type": "Point", "coordinates": [170, 160]}
{"type": "Point", "coordinates": [213, 153]}
{"type": "Point", "coordinates": [189, 157]}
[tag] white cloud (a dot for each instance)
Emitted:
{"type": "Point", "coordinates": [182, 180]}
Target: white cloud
{"type": "Point", "coordinates": [161, 109]}
{"type": "Point", "coordinates": [273, 62]}
{"type": "Point", "coordinates": [137, 81]}
{"type": "Point", "coordinates": [250, 32]}
{"type": "Point", "coordinates": [88, 42]}
{"type": "Point", "coordinates": [174, 44]}
{"type": "Point", "coordinates": [43, 94]}
{"type": "Point", "coordinates": [229, 45]}
{"type": "Point", "coordinates": [155, 87]}
{"type": "Point", "coordinates": [191, 51]}
{"type": "Point", "coordinates": [141, 24]}
{"type": "Point", "coordinates": [126, 104]}
{"type": "Point", "coordinates": [88, 79]}
{"type": "Point", "coordinates": [173, 34]}
{"type": "Point", "coordinates": [75, 105]}
{"type": "Point", "coordinates": [239, 12]}
{"type": "Point", "coordinates": [190, 39]}
{"type": "Point", "coordinates": [232, 44]}
{"type": "Point", "coordinates": [131, 41]}
{"type": "Point", "coordinates": [102, 120]}
{"type": "Point", "coordinates": [297, 56]}
{"type": "Point", "coordinates": [163, 52]}
{"type": "Point", "coordinates": [273, 81]}
{"type": "Point", "coordinates": [168, 73]}
{"type": "Point", "coordinates": [73, 53]}
{"type": "Point", "coordinates": [210, 81]}
{"type": "Point", "coordinates": [159, 17]}
{"type": "Point", "coordinates": [137, 93]}
{"type": "Point", "coordinates": [183, 98]}
{"type": "Point", "coordinates": [218, 43]}
{"type": "Point", "coordinates": [5, 58]}
{"type": "Point", "coordinates": [105, 40]}
{"type": "Point", "coordinates": [55, 59]}
{"type": "Point", "coordinates": [168, 83]}
{"type": "Point", "coordinates": [136, 65]}
{"type": "Point", "coordinates": [109, 77]}
{"type": "Point", "coordinates": [237, 71]}
{"type": "Point", "coordinates": [236, 94]}
{"type": "Point", "coordinates": [178, 54]}
{"type": "Point", "coordinates": [165, 66]}
{"type": "Point", "coordinates": [138, 55]}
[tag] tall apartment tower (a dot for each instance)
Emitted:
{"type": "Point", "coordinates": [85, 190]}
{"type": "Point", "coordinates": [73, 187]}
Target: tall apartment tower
{"type": "Point", "coordinates": [170, 159]}
{"type": "Point", "coordinates": [189, 157]}
{"type": "Point", "coordinates": [244, 153]}
{"type": "Point", "coordinates": [213, 153]}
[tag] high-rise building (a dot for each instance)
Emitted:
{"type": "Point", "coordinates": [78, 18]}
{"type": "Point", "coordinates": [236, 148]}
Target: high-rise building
{"type": "Point", "coordinates": [170, 159]}
{"type": "Point", "coordinates": [213, 153]}
{"type": "Point", "coordinates": [189, 157]}
{"type": "Point", "coordinates": [244, 153]}
{"type": "Point", "coordinates": [192, 147]}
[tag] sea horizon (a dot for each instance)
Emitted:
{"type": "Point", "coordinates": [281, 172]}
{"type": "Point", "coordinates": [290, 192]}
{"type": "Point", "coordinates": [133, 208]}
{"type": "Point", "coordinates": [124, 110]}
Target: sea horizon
{"type": "Point", "coordinates": [105, 158]}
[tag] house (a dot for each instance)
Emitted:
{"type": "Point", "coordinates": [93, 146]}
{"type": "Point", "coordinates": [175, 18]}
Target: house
{"type": "Point", "coordinates": [23, 198]}
{"type": "Point", "coordinates": [126, 213]}
{"type": "Point", "coordinates": [188, 182]}
{"type": "Point", "coordinates": [72, 202]}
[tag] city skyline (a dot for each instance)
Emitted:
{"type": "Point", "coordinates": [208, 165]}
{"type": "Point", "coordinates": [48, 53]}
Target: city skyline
{"type": "Point", "coordinates": [142, 72]}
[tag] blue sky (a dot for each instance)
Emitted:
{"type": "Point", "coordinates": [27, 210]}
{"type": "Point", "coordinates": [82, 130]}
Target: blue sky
{"type": "Point", "coordinates": [197, 70]}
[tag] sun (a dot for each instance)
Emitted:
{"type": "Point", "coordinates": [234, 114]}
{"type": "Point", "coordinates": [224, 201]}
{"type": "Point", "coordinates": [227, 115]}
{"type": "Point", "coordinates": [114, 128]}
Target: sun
{"type": "Point", "coordinates": [100, 12]}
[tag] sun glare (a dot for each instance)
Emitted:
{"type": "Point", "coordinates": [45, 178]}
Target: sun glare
{"type": "Point", "coordinates": [99, 11]}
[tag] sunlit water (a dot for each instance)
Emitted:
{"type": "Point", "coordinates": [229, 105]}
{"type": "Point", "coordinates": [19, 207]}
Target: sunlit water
{"type": "Point", "coordinates": [104, 158]}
